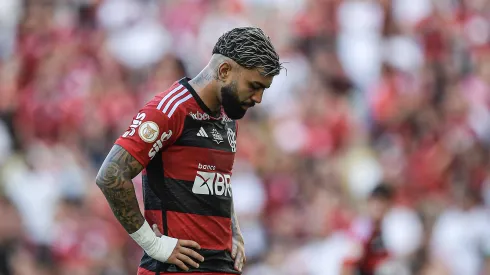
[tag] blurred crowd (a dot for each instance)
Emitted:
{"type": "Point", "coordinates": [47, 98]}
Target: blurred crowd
{"type": "Point", "coordinates": [370, 152]}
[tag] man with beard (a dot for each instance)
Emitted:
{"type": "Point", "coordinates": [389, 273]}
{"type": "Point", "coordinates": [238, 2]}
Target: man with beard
{"type": "Point", "coordinates": [184, 143]}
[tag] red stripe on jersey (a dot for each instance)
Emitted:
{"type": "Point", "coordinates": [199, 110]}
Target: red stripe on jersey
{"type": "Point", "coordinates": [142, 271]}
{"type": "Point", "coordinates": [182, 162]}
{"type": "Point", "coordinates": [154, 217]}
{"type": "Point", "coordinates": [208, 231]}
{"type": "Point", "coordinates": [180, 101]}
{"type": "Point", "coordinates": [174, 100]}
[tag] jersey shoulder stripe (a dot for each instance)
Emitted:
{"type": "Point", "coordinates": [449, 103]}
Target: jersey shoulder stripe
{"type": "Point", "coordinates": [169, 94]}
{"type": "Point", "coordinates": [172, 99]}
{"type": "Point", "coordinates": [182, 100]}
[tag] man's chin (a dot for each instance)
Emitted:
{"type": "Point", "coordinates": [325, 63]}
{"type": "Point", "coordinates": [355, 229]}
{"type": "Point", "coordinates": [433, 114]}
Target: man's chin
{"type": "Point", "coordinates": [236, 115]}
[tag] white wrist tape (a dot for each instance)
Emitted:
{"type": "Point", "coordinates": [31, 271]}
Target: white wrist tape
{"type": "Point", "coordinates": [158, 248]}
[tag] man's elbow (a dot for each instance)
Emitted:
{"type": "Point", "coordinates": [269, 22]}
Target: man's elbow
{"type": "Point", "coordinates": [98, 180]}
{"type": "Point", "coordinates": [102, 179]}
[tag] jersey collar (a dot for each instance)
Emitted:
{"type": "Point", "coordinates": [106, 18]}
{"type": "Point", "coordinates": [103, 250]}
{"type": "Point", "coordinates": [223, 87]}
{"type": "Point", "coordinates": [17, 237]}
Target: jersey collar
{"type": "Point", "coordinates": [185, 82]}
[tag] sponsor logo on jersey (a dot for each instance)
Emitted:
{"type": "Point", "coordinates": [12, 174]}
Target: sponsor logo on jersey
{"type": "Point", "coordinates": [158, 145]}
{"type": "Point", "coordinates": [199, 116]}
{"type": "Point", "coordinates": [148, 131]}
{"type": "Point", "coordinates": [202, 133]}
{"type": "Point", "coordinates": [206, 167]}
{"type": "Point", "coordinates": [216, 136]}
{"type": "Point", "coordinates": [136, 123]}
{"type": "Point", "coordinates": [204, 116]}
{"type": "Point", "coordinates": [212, 183]}
{"type": "Point", "coordinates": [231, 139]}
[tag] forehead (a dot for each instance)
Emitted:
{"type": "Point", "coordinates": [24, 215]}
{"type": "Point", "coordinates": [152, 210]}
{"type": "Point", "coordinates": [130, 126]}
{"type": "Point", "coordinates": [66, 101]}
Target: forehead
{"type": "Point", "coordinates": [254, 75]}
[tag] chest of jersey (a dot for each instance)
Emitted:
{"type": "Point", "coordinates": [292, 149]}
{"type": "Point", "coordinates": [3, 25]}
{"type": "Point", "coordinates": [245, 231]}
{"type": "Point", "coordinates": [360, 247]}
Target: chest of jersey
{"type": "Point", "coordinates": [205, 151]}
{"type": "Point", "coordinates": [204, 132]}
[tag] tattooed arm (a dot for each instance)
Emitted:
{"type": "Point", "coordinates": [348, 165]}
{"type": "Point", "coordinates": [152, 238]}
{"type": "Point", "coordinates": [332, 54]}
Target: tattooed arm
{"type": "Point", "coordinates": [115, 180]}
{"type": "Point", "coordinates": [235, 229]}
{"type": "Point", "coordinates": [238, 249]}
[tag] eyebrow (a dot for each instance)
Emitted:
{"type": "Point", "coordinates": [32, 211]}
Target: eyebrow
{"type": "Point", "coordinates": [260, 84]}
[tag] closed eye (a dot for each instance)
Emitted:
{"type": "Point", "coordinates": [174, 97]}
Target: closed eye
{"type": "Point", "coordinates": [255, 87]}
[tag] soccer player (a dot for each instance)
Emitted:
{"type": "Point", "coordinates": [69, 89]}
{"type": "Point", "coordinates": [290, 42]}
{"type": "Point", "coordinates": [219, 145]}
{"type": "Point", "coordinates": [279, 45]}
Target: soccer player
{"type": "Point", "coordinates": [184, 143]}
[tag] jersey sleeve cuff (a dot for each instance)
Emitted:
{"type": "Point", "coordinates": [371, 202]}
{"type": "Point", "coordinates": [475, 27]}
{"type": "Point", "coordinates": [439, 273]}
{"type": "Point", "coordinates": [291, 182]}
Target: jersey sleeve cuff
{"type": "Point", "coordinates": [131, 151]}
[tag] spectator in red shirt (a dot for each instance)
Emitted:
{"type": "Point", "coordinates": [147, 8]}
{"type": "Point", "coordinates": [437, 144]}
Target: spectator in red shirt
{"type": "Point", "coordinates": [371, 252]}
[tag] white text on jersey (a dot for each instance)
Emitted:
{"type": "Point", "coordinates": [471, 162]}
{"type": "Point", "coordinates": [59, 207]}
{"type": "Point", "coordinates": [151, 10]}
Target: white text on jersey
{"type": "Point", "coordinates": [136, 123]}
{"type": "Point", "coordinates": [199, 116]}
{"type": "Point", "coordinates": [158, 145]}
{"type": "Point", "coordinates": [206, 167]}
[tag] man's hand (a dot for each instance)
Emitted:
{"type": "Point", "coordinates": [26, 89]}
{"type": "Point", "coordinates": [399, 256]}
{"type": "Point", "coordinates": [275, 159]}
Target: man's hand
{"type": "Point", "coordinates": [182, 253]}
{"type": "Point", "coordinates": [238, 252]}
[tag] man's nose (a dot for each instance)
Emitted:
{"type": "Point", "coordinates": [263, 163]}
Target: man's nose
{"type": "Point", "coordinates": [257, 96]}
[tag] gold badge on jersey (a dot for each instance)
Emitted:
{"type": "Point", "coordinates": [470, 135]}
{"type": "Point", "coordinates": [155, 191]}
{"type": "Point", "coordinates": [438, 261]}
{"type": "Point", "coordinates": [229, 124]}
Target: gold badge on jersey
{"type": "Point", "coordinates": [148, 131]}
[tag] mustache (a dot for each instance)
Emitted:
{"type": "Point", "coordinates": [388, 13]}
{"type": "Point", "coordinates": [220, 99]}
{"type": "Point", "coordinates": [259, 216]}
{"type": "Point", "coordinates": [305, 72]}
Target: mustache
{"type": "Point", "coordinates": [248, 104]}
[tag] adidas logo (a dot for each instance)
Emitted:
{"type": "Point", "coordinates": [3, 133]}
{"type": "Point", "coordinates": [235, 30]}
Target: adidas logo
{"type": "Point", "coordinates": [202, 133]}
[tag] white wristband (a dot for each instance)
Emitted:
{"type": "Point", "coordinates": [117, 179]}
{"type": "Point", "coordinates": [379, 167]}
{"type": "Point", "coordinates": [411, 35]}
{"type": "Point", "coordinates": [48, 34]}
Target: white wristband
{"type": "Point", "coordinates": [158, 248]}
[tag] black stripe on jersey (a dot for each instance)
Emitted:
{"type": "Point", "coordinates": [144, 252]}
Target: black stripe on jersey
{"type": "Point", "coordinates": [185, 82]}
{"type": "Point", "coordinates": [217, 134]}
{"type": "Point", "coordinates": [180, 198]}
{"type": "Point", "coordinates": [149, 263]}
{"type": "Point", "coordinates": [176, 195]}
{"type": "Point", "coordinates": [150, 199]}
{"type": "Point", "coordinates": [216, 261]}
{"type": "Point", "coordinates": [154, 171]}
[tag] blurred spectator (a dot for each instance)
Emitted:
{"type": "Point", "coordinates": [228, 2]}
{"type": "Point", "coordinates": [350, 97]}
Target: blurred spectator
{"type": "Point", "coordinates": [462, 232]}
{"type": "Point", "coordinates": [378, 245]}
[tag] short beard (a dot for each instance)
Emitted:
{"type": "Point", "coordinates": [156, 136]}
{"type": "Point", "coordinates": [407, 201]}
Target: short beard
{"type": "Point", "coordinates": [231, 103]}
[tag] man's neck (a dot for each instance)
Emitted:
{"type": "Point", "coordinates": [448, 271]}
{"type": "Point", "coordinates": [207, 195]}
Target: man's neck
{"type": "Point", "coordinates": [205, 86]}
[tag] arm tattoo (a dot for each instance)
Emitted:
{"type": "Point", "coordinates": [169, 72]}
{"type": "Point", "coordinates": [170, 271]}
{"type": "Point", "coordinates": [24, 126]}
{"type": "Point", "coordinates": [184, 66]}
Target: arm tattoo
{"type": "Point", "coordinates": [235, 229]}
{"type": "Point", "coordinates": [115, 180]}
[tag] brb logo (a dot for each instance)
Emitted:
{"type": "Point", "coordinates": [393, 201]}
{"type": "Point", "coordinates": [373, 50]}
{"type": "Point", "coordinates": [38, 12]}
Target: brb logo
{"type": "Point", "coordinates": [212, 183]}
{"type": "Point", "coordinates": [158, 145]}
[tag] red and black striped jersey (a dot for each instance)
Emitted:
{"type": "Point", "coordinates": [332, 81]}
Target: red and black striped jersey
{"type": "Point", "coordinates": [188, 155]}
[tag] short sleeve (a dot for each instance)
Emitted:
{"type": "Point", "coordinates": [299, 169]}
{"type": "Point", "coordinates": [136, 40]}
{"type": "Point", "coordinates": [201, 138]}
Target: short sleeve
{"type": "Point", "coordinates": [151, 131]}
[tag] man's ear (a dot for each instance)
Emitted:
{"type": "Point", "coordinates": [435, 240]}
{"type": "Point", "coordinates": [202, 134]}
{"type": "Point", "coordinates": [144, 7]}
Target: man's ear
{"type": "Point", "coordinates": [224, 71]}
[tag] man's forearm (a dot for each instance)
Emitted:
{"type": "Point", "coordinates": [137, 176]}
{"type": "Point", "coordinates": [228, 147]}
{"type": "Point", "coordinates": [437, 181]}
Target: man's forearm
{"type": "Point", "coordinates": [235, 228]}
{"type": "Point", "coordinates": [124, 204]}
{"type": "Point", "coordinates": [115, 181]}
